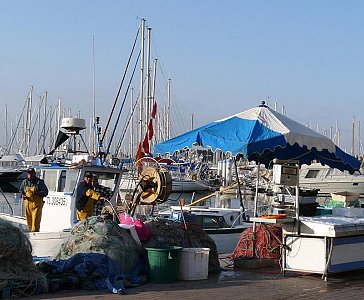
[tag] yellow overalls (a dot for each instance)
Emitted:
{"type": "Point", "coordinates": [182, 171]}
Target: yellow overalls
{"type": "Point", "coordinates": [88, 209]}
{"type": "Point", "coordinates": [33, 208]}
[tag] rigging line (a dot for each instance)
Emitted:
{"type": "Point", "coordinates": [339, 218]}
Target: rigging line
{"type": "Point", "coordinates": [31, 130]}
{"type": "Point", "coordinates": [52, 111]}
{"type": "Point", "coordinates": [6, 199]}
{"type": "Point", "coordinates": [43, 132]}
{"type": "Point", "coordinates": [125, 129]}
{"type": "Point", "coordinates": [126, 126]}
{"type": "Point", "coordinates": [156, 50]}
{"type": "Point", "coordinates": [16, 130]}
{"type": "Point", "coordinates": [121, 84]}
{"type": "Point", "coordinates": [46, 131]}
{"type": "Point", "coordinates": [40, 103]}
{"type": "Point", "coordinates": [122, 105]}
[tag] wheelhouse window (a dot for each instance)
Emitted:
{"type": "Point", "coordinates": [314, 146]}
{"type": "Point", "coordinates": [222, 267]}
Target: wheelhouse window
{"type": "Point", "coordinates": [50, 179]}
{"type": "Point", "coordinates": [107, 179]}
{"type": "Point", "coordinates": [312, 174]}
{"type": "Point", "coordinates": [68, 180]}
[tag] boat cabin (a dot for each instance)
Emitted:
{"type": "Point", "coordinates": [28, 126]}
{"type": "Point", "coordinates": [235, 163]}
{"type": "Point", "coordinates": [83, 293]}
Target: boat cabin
{"type": "Point", "coordinates": [207, 217]}
{"type": "Point", "coordinates": [59, 210]}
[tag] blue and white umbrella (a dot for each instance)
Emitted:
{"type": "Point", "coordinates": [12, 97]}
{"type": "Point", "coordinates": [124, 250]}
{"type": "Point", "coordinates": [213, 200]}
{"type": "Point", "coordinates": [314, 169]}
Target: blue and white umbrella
{"type": "Point", "coordinates": [261, 135]}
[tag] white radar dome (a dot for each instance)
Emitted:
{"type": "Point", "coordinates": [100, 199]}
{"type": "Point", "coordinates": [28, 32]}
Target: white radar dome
{"type": "Point", "coordinates": [73, 124]}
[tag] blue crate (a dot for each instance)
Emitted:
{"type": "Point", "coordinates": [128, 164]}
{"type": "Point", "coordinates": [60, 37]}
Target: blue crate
{"type": "Point", "coordinates": [188, 217]}
{"type": "Point", "coordinates": [321, 211]}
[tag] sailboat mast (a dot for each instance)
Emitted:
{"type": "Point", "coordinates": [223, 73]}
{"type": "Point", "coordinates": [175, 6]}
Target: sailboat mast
{"type": "Point", "coordinates": [6, 126]}
{"type": "Point", "coordinates": [45, 120]}
{"type": "Point", "coordinates": [131, 150]}
{"type": "Point", "coordinates": [147, 98]}
{"type": "Point", "coordinates": [38, 125]}
{"type": "Point", "coordinates": [164, 124]}
{"type": "Point", "coordinates": [353, 138]}
{"type": "Point", "coordinates": [93, 97]}
{"type": "Point", "coordinates": [359, 143]}
{"type": "Point", "coordinates": [59, 117]}
{"type": "Point", "coordinates": [141, 99]}
{"type": "Point", "coordinates": [338, 133]}
{"type": "Point", "coordinates": [154, 80]}
{"type": "Point", "coordinates": [28, 121]}
{"type": "Point", "coordinates": [152, 95]}
{"type": "Point", "coordinates": [169, 111]}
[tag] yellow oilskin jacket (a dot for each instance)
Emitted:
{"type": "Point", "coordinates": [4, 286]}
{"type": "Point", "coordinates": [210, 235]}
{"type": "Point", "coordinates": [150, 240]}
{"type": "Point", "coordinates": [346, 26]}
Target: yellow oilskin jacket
{"type": "Point", "coordinates": [31, 196]}
{"type": "Point", "coordinates": [88, 209]}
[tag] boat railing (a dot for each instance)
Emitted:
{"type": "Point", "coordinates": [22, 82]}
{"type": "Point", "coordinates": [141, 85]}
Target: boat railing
{"type": "Point", "coordinates": [238, 218]}
{"type": "Point", "coordinates": [10, 204]}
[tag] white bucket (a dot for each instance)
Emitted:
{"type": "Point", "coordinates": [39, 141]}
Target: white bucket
{"type": "Point", "coordinates": [194, 263]}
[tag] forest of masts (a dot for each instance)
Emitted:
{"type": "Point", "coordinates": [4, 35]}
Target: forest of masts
{"type": "Point", "coordinates": [34, 131]}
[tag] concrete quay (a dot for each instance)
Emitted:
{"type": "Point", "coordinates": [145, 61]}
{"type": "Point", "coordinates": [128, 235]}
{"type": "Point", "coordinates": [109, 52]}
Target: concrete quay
{"type": "Point", "coordinates": [265, 283]}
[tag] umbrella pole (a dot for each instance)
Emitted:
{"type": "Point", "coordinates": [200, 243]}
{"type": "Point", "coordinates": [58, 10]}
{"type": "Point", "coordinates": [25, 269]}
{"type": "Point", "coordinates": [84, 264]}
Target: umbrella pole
{"type": "Point", "coordinates": [297, 201]}
{"type": "Point", "coordinates": [256, 208]}
{"type": "Point", "coordinates": [242, 208]}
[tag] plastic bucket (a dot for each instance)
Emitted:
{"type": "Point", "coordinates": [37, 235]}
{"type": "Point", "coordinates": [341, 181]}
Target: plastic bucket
{"type": "Point", "coordinates": [164, 264]}
{"type": "Point", "coordinates": [194, 263]}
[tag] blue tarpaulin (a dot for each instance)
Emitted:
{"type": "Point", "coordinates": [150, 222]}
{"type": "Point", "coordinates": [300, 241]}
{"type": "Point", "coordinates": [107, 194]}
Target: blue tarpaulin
{"type": "Point", "coordinates": [99, 270]}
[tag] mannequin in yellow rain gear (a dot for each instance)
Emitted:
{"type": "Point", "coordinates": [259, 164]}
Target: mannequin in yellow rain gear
{"type": "Point", "coordinates": [85, 197]}
{"type": "Point", "coordinates": [33, 190]}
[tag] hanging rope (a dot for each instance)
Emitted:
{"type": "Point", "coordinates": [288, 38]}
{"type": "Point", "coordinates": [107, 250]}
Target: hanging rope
{"type": "Point", "coordinates": [121, 84]}
{"type": "Point", "coordinates": [125, 129]}
{"type": "Point", "coordinates": [122, 105]}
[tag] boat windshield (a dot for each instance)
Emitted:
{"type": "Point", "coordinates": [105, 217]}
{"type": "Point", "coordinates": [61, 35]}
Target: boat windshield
{"type": "Point", "coordinates": [68, 182]}
{"type": "Point", "coordinates": [107, 179]}
{"type": "Point", "coordinates": [58, 180]}
{"type": "Point", "coordinates": [312, 174]}
{"type": "Point", "coordinates": [65, 181]}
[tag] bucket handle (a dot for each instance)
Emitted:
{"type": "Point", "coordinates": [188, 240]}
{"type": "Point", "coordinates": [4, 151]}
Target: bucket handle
{"type": "Point", "coordinates": [173, 254]}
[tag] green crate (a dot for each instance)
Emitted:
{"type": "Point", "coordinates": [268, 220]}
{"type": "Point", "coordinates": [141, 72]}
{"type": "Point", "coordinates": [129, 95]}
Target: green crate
{"type": "Point", "coordinates": [334, 203]}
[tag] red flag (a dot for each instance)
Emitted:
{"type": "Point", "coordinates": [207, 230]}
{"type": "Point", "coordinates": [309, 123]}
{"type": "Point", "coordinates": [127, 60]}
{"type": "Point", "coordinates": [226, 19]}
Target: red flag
{"type": "Point", "coordinates": [150, 129]}
{"type": "Point", "coordinates": [154, 110]}
{"type": "Point", "coordinates": [139, 153]}
{"type": "Point", "coordinates": [146, 144]}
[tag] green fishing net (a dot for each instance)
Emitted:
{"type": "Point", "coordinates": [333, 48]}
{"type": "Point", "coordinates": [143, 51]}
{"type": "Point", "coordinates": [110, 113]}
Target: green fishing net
{"type": "Point", "coordinates": [99, 235]}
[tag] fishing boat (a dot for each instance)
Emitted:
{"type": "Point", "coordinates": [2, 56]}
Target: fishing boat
{"type": "Point", "coordinates": [223, 225]}
{"type": "Point", "coordinates": [13, 161]}
{"type": "Point", "coordinates": [59, 211]}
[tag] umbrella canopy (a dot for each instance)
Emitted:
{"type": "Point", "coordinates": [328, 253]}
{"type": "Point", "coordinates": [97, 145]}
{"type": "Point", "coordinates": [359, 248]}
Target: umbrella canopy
{"type": "Point", "coordinates": [261, 135]}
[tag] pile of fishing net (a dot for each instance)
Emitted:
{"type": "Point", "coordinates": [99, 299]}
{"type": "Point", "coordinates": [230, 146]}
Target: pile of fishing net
{"type": "Point", "coordinates": [18, 274]}
{"type": "Point", "coordinates": [268, 242]}
{"type": "Point", "coordinates": [167, 232]}
{"type": "Point", "coordinates": [101, 235]}
{"type": "Point", "coordinates": [99, 255]}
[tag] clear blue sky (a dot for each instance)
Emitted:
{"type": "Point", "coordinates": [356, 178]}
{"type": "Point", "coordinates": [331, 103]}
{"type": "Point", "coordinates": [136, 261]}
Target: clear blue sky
{"type": "Point", "coordinates": [223, 56]}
